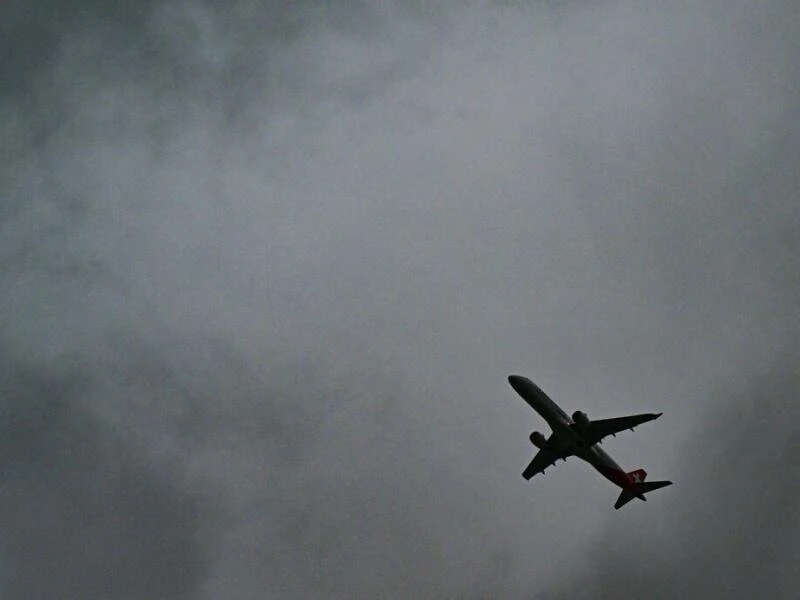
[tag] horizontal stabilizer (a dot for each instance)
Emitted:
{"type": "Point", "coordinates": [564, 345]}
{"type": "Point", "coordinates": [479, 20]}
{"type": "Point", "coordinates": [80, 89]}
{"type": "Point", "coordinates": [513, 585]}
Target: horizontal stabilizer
{"type": "Point", "coordinates": [638, 490]}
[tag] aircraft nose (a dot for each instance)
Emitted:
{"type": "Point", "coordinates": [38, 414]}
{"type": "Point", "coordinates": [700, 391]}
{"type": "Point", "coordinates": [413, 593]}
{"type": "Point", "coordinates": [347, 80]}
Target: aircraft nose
{"type": "Point", "coordinates": [515, 381]}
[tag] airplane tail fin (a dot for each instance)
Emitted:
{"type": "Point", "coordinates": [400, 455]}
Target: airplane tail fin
{"type": "Point", "coordinates": [637, 488]}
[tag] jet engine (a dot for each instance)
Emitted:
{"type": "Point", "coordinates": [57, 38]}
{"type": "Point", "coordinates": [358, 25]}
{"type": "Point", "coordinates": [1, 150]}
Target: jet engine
{"type": "Point", "coordinates": [580, 418]}
{"type": "Point", "coordinates": [538, 440]}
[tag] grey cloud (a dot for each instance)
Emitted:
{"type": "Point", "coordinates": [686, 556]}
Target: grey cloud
{"type": "Point", "coordinates": [266, 267]}
{"type": "Point", "coordinates": [84, 512]}
{"type": "Point", "coordinates": [731, 529]}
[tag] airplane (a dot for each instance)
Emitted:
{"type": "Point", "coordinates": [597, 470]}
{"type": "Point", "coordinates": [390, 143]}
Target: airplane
{"type": "Point", "coordinates": [578, 436]}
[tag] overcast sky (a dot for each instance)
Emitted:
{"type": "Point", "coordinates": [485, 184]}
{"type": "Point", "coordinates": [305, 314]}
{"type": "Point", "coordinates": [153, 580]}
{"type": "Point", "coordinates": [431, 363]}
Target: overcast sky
{"type": "Point", "coordinates": [265, 268]}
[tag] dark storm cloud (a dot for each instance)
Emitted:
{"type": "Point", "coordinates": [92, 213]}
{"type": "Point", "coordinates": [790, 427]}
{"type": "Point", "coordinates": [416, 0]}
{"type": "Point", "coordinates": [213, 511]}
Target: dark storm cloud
{"type": "Point", "coordinates": [86, 514]}
{"type": "Point", "coordinates": [266, 266]}
{"type": "Point", "coordinates": [31, 33]}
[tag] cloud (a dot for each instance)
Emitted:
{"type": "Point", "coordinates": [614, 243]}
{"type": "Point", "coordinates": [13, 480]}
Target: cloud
{"type": "Point", "coordinates": [730, 527]}
{"type": "Point", "coordinates": [85, 513]}
{"type": "Point", "coordinates": [266, 267]}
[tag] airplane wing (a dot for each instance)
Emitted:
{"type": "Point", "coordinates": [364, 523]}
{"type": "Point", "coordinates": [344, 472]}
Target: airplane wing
{"type": "Point", "coordinates": [543, 459]}
{"type": "Point", "coordinates": [597, 430]}
{"type": "Point", "coordinates": [546, 457]}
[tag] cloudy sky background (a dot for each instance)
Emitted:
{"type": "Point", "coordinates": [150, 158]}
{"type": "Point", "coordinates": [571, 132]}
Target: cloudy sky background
{"type": "Point", "coordinates": [266, 267]}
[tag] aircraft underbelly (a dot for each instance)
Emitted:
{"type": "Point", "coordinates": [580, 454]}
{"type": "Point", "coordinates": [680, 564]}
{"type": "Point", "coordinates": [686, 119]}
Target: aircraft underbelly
{"type": "Point", "coordinates": [600, 460]}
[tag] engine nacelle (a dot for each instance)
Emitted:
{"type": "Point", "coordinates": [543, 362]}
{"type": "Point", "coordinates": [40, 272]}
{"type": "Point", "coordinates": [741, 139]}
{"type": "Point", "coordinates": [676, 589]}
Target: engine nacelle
{"type": "Point", "coordinates": [580, 418]}
{"type": "Point", "coordinates": [538, 440]}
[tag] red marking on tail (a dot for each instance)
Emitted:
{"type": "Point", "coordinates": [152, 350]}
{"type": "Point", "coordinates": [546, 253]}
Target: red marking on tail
{"type": "Point", "coordinates": [618, 476]}
{"type": "Point", "coordinates": [637, 476]}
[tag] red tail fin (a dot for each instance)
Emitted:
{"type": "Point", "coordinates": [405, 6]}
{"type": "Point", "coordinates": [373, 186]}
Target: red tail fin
{"type": "Point", "coordinates": [637, 476]}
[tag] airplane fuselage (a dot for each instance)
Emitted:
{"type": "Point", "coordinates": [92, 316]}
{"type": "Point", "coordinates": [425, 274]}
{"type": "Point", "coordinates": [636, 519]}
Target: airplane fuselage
{"type": "Point", "coordinates": [568, 441]}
